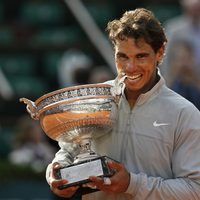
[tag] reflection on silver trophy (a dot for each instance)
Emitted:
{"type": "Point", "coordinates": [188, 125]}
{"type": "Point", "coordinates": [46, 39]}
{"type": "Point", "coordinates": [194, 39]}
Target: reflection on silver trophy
{"type": "Point", "coordinates": [78, 115]}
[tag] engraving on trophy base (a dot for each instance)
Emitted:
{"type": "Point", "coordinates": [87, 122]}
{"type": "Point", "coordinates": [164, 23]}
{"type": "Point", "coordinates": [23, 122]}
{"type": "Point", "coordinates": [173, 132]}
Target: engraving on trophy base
{"type": "Point", "coordinates": [79, 173]}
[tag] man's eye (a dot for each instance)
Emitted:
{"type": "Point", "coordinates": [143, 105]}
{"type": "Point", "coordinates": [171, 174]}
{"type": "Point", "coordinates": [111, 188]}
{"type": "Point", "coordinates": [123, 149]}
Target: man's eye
{"type": "Point", "coordinates": [141, 56]}
{"type": "Point", "coordinates": [121, 57]}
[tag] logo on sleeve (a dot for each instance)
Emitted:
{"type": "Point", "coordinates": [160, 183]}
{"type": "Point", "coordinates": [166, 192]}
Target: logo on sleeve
{"type": "Point", "coordinates": [156, 124]}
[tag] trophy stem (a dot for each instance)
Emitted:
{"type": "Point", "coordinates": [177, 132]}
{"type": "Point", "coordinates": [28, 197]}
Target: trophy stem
{"type": "Point", "coordinates": [85, 151]}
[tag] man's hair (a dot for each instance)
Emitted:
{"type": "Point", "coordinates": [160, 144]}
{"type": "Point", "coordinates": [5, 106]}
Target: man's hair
{"type": "Point", "coordinates": [138, 24]}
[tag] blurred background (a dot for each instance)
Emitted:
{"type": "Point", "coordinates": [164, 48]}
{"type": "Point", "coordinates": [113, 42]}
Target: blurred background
{"type": "Point", "coordinates": [46, 45]}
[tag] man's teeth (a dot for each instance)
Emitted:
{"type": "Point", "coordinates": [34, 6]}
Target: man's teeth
{"type": "Point", "coordinates": [134, 77]}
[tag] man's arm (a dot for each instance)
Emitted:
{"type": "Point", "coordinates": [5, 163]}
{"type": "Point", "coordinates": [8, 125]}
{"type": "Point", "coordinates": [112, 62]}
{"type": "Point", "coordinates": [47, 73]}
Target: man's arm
{"type": "Point", "coordinates": [185, 166]}
{"type": "Point", "coordinates": [64, 157]}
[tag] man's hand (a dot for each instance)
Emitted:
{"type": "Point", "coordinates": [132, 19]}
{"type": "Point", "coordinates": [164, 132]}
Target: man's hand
{"type": "Point", "coordinates": [55, 183]}
{"type": "Point", "coordinates": [118, 183]}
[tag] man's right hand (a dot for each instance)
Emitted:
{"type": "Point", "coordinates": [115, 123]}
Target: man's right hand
{"type": "Point", "coordinates": [55, 183]}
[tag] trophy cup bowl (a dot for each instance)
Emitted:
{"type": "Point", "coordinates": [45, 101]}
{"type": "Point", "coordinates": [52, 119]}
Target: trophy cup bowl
{"type": "Point", "coordinates": [78, 115]}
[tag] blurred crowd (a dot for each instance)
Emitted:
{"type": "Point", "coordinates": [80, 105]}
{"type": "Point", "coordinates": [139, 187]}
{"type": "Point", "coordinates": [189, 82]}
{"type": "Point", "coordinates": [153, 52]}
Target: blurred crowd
{"type": "Point", "coordinates": [181, 66]}
{"type": "Point", "coordinates": [30, 146]}
{"type": "Point", "coordinates": [77, 68]}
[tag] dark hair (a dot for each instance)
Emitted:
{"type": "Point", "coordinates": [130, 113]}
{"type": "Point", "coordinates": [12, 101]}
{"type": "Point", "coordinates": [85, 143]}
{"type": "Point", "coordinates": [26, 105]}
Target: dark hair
{"type": "Point", "coordinates": [138, 24]}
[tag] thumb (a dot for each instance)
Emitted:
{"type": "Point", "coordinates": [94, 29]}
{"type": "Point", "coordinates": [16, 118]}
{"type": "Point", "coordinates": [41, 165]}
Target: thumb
{"type": "Point", "coordinates": [54, 171]}
{"type": "Point", "coordinates": [115, 166]}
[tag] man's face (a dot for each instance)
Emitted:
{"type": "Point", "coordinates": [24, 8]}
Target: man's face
{"type": "Point", "coordinates": [138, 61]}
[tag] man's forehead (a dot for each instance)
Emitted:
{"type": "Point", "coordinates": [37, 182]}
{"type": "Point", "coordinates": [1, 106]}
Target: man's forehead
{"type": "Point", "coordinates": [140, 42]}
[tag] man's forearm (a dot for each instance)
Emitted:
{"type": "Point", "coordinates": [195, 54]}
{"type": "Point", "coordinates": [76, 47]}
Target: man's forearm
{"type": "Point", "coordinates": [151, 188]}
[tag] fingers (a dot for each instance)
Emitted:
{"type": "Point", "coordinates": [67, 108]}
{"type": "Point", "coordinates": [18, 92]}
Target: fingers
{"type": "Point", "coordinates": [107, 181]}
{"type": "Point", "coordinates": [97, 180]}
{"type": "Point", "coordinates": [90, 185]}
{"type": "Point", "coordinates": [118, 183]}
{"type": "Point", "coordinates": [55, 168]}
{"type": "Point", "coordinates": [56, 183]}
{"type": "Point", "coordinates": [115, 166]}
{"type": "Point", "coordinates": [56, 165]}
{"type": "Point", "coordinates": [103, 184]}
{"type": "Point", "coordinates": [67, 193]}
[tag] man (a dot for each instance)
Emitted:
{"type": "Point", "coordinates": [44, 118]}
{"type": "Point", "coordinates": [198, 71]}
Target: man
{"type": "Point", "coordinates": [157, 137]}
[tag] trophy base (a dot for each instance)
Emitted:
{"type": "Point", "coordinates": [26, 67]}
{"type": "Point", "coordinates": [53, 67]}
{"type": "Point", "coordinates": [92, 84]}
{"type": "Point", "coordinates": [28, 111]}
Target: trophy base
{"type": "Point", "coordinates": [79, 173]}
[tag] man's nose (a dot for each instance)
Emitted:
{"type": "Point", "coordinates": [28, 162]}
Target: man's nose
{"type": "Point", "coordinates": [130, 65]}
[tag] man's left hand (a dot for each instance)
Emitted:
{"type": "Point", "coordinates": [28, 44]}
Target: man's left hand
{"type": "Point", "coordinates": [118, 183]}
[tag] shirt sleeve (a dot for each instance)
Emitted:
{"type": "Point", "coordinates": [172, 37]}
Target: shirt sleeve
{"type": "Point", "coordinates": [185, 166]}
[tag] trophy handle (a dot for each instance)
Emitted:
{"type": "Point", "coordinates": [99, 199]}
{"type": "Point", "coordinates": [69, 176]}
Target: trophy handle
{"type": "Point", "coordinates": [119, 87]}
{"type": "Point", "coordinates": [30, 107]}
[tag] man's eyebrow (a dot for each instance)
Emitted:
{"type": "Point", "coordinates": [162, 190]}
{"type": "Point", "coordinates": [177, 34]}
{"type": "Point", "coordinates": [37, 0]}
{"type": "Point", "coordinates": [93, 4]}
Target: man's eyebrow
{"type": "Point", "coordinates": [120, 54]}
{"type": "Point", "coordinates": [143, 54]}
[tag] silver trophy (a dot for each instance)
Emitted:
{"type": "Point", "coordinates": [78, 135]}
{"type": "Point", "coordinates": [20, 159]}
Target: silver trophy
{"type": "Point", "coordinates": [78, 115]}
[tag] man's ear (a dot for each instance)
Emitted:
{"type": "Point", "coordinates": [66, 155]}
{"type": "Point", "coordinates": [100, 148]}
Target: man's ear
{"type": "Point", "coordinates": [160, 54]}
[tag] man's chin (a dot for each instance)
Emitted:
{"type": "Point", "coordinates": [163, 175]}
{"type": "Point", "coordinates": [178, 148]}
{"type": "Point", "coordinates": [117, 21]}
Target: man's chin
{"type": "Point", "coordinates": [132, 85]}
